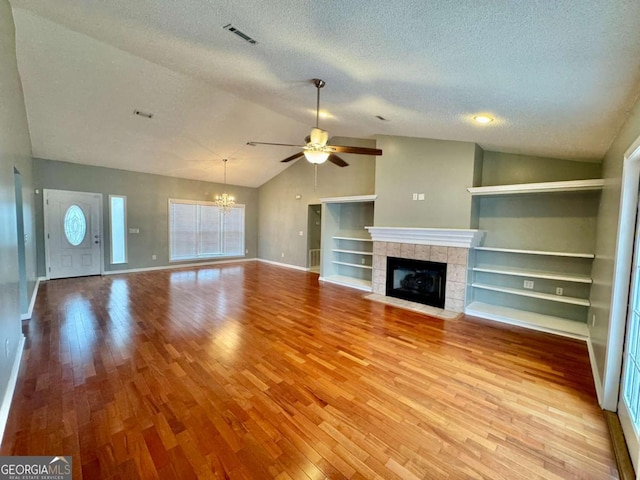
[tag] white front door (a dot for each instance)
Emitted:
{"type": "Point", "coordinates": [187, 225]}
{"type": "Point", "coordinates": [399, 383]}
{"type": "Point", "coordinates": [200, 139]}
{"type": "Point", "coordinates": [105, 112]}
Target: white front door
{"type": "Point", "coordinates": [73, 237]}
{"type": "Point", "coordinates": [629, 402]}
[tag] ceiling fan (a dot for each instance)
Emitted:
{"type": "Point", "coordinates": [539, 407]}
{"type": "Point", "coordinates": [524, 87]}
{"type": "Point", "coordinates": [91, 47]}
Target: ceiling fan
{"type": "Point", "coordinates": [315, 149]}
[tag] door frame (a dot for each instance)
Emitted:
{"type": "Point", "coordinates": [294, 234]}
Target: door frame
{"type": "Point", "coordinates": [47, 259]}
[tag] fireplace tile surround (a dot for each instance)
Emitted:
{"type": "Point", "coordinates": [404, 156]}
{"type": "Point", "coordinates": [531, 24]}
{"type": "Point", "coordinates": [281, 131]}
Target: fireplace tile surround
{"type": "Point", "coordinates": [450, 246]}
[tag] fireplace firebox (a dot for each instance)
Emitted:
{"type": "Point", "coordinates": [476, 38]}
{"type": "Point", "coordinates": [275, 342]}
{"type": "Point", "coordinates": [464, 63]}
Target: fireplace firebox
{"type": "Point", "coordinates": [417, 280]}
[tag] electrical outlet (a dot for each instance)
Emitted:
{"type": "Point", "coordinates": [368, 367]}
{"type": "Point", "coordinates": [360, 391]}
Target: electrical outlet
{"type": "Point", "coordinates": [282, 254]}
{"type": "Point", "coordinates": [301, 233]}
{"type": "Point", "coordinates": [559, 290]}
{"type": "Point", "coordinates": [528, 284]}
{"type": "Point", "coordinates": [593, 320]}
{"type": "Point", "coordinates": [421, 196]}
{"type": "Point", "coordinates": [362, 260]}
{"type": "Point", "coordinates": [153, 257]}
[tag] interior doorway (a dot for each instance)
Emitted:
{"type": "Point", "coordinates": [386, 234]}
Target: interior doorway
{"type": "Point", "coordinates": [314, 234]}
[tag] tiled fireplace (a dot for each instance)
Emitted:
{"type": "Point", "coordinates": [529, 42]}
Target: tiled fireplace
{"type": "Point", "coordinates": [448, 246]}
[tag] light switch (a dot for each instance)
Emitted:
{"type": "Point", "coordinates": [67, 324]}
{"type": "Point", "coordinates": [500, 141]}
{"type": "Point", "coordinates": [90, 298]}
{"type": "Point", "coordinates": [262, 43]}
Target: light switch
{"type": "Point", "coordinates": [421, 196]}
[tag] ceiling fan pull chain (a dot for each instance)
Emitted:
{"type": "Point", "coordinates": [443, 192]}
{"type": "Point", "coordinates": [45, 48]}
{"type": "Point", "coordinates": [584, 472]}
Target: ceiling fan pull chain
{"type": "Point", "coordinates": [315, 176]}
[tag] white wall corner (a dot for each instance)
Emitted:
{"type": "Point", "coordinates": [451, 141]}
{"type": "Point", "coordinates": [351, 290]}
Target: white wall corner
{"type": "Point", "coordinates": [34, 295]}
{"type": "Point", "coordinates": [597, 381]}
{"type": "Point", "coordinates": [11, 387]}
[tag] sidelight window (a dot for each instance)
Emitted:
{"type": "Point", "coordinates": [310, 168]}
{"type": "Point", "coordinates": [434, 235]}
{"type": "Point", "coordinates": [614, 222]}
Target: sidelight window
{"type": "Point", "coordinates": [118, 224]}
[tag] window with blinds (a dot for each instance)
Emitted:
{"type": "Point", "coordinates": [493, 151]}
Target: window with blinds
{"type": "Point", "coordinates": [202, 230]}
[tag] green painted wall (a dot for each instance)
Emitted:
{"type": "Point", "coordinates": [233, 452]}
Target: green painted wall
{"type": "Point", "coordinates": [147, 207]}
{"type": "Point", "coordinates": [607, 233]}
{"type": "Point", "coordinates": [440, 169]}
{"type": "Point", "coordinates": [507, 168]}
{"type": "Point", "coordinates": [556, 222]}
{"type": "Point", "coordinates": [15, 152]}
{"type": "Point", "coordinates": [282, 217]}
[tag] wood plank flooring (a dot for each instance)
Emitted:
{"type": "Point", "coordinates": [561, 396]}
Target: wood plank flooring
{"type": "Point", "coordinates": [255, 371]}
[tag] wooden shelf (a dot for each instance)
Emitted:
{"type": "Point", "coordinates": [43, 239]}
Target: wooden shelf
{"type": "Point", "coordinates": [351, 199]}
{"type": "Point", "coordinates": [544, 187]}
{"type": "Point", "coordinates": [530, 293]}
{"type": "Point", "coordinates": [536, 252]}
{"type": "Point", "coordinates": [356, 265]}
{"type": "Point", "coordinates": [355, 252]}
{"type": "Point", "coordinates": [355, 239]}
{"type": "Point", "coordinates": [535, 321]}
{"type": "Point", "coordinates": [345, 281]}
{"type": "Point", "coordinates": [534, 274]}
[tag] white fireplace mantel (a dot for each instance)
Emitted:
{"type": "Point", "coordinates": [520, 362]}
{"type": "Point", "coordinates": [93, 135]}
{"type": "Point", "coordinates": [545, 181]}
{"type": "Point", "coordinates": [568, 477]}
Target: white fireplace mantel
{"type": "Point", "coordinates": [446, 237]}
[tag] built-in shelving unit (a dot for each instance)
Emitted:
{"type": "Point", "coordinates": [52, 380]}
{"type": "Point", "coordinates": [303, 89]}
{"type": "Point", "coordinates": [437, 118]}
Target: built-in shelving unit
{"type": "Point", "coordinates": [354, 258]}
{"type": "Point", "coordinates": [346, 245]}
{"type": "Point", "coordinates": [547, 288]}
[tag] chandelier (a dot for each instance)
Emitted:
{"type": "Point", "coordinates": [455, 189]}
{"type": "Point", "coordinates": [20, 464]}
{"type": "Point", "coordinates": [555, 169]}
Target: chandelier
{"type": "Point", "coordinates": [225, 201]}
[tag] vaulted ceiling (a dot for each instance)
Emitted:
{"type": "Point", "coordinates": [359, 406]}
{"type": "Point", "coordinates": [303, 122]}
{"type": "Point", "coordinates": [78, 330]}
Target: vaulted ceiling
{"type": "Point", "coordinates": [558, 77]}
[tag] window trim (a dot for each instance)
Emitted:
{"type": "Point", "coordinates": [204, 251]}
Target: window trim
{"type": "Point", "coordinates": [242, 252]}
{"type": "Point", "coordinates": [125, 230]}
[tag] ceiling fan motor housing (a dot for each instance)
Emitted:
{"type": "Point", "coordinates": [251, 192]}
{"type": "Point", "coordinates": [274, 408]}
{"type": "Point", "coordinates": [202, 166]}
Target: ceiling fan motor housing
{"type": "Point", "coordinates": [318, 137]}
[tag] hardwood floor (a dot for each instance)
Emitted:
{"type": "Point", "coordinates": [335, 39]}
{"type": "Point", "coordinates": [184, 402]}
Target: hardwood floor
{"type": "Point", "coordinates": [255, 371]}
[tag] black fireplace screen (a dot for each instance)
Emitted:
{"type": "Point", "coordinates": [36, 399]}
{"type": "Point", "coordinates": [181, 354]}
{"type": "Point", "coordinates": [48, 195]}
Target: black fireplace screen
{"type": "Point", "coordinates": [417, 280]}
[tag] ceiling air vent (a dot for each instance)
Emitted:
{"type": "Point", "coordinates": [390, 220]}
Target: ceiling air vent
{"type": "Point", "coordinates": [239, 33]}
{"type": "Point", "coordinates": [140, 113]}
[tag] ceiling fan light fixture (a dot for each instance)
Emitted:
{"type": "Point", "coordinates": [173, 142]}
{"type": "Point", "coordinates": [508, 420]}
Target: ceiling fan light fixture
{"type": "Point", "coordinates": [316, 156]}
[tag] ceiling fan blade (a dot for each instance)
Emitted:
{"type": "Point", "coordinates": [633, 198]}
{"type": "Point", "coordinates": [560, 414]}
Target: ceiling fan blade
{"type": "Point", "coordinates": [253, 144]}
{"type": "Point", "coordinates": [336, 160]}
{"type": "Point", "coordinates": [356, 150]}
{"type": "Point", "coordinates": [292, 157]}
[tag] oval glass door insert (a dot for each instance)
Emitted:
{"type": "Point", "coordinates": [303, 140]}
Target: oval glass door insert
{"type": "Point", "coordinates": [75, 225]}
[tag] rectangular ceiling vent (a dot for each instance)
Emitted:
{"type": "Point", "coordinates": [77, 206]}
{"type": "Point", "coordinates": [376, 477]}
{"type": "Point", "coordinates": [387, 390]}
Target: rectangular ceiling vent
{"type": "Point", "coordinates": [239, 33]}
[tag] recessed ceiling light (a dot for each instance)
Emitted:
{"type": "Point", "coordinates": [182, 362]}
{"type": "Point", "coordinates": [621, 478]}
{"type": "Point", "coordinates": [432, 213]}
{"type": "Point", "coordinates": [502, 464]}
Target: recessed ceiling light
{"type": "Point", "coordinates": [483, 119]}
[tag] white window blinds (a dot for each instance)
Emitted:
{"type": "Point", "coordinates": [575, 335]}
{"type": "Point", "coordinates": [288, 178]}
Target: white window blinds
{"type": "Point", "coordinates": [201, 230]}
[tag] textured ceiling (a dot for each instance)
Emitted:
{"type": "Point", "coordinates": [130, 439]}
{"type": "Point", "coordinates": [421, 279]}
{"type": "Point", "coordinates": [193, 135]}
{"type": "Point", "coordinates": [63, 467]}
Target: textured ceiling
{"type": "Point", "coordinates": [557, 75]}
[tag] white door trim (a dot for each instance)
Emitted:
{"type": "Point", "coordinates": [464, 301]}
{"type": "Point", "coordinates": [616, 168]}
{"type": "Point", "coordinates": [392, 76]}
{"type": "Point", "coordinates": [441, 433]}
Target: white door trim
{"type": "Point", "coordinates": [621, 276]}
{"type": "Point", "coordinates": [47, 259]}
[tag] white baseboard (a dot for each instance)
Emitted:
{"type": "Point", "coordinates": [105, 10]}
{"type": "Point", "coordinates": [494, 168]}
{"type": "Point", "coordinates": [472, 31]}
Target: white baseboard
{"type": "Point", "coordinates": [286, 265]}
{"type": "Point", "coordinates": [27, 316]}
{"type": "Point", "coordinates": [597, 381]}
{"type": "Point", "coordinates": [11, 387]}
{"type": "Point", "coordinates": [178, 265]}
